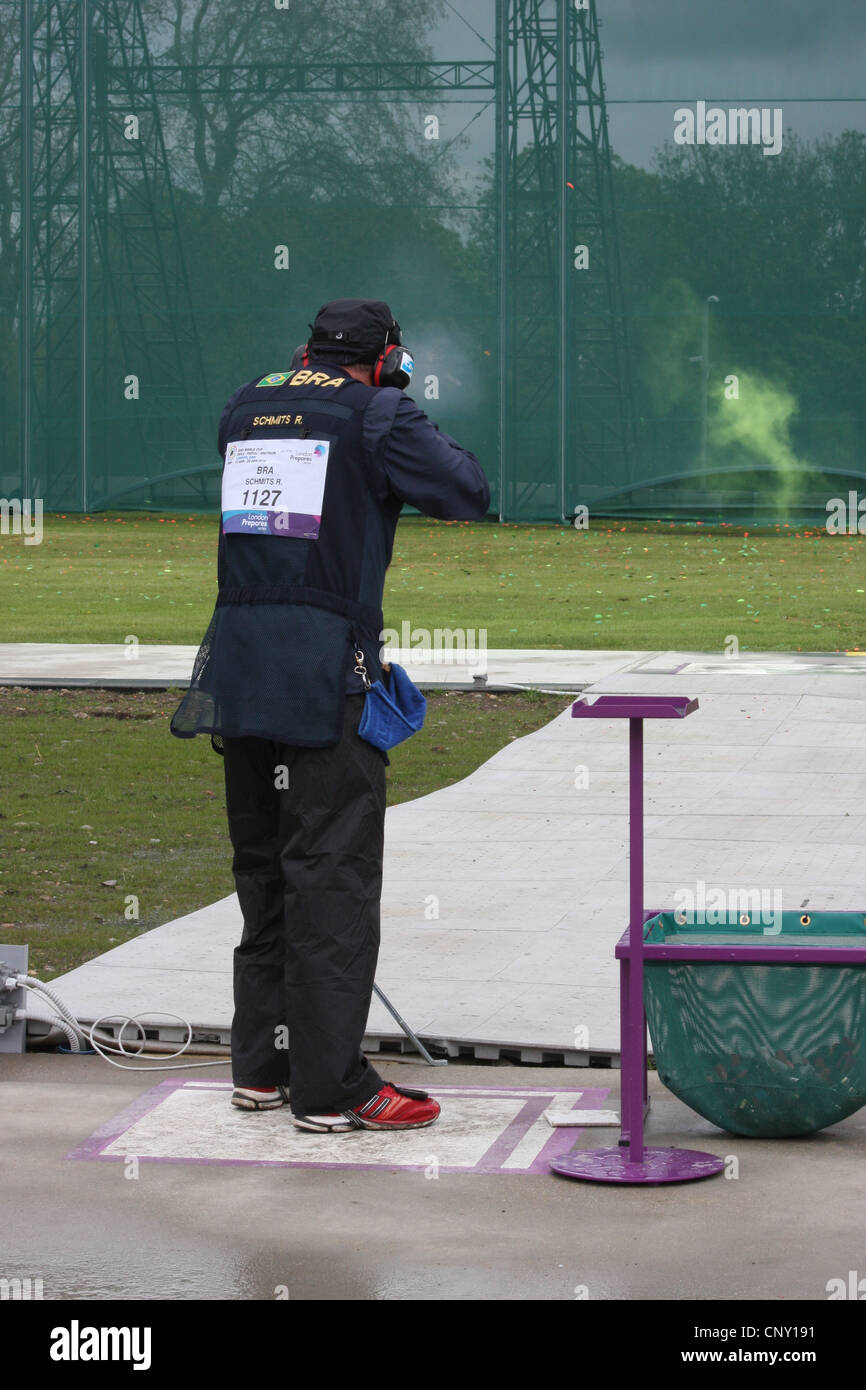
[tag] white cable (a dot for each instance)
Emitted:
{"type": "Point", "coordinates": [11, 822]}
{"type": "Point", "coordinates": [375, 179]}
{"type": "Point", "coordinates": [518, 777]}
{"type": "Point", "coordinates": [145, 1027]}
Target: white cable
{"type": "Point", "coordinates": [29, 982]}
{"type": "Point", "coordinates": [74, 1045]}
{"type": "Point", "coordinates": [37, 987]}
{"type": "Point", "coordinates": [118, 1044]}
{"type": "Point", "coordinates": [75, 1031]}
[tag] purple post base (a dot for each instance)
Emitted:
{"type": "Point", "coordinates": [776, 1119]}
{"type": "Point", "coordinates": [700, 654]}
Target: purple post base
{"type": "Point", "coordinates": [657, 1166]}
{"type": "Point", "coordinates": [631, 1162]}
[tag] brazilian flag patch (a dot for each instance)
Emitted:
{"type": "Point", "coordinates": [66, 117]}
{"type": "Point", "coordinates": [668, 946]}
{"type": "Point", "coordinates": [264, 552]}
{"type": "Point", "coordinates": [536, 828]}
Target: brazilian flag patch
{"type": "Point", "coordinates": [274, 379]}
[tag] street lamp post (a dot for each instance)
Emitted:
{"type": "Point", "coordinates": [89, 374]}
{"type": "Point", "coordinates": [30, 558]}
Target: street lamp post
{"type": "Point", "coordinates": [705, 365]}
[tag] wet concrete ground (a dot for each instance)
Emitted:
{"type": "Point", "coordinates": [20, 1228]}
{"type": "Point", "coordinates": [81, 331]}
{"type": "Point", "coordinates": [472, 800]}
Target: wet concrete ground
{"type": "Point", "coordinates": [792, 1219]}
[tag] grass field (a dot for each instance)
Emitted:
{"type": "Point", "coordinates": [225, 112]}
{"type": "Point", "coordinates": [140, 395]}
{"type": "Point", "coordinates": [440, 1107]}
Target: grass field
{"type": "Point", "coordinates": [644, 585]}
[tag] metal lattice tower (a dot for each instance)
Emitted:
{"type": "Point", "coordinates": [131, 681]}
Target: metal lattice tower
{"type": "Point", "coordinates": [566, 415]}
{"type": "Point", "coordinates": [94, 198]}
{"type": "Point", "coordinates": [137, 246]}
{"type": "Point", "coordinates": [52, 271]}
{"type": "Point", "coordinates": [99, 244]}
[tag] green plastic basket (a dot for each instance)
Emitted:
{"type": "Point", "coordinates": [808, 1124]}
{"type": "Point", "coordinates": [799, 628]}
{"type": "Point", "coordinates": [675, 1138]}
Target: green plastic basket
{"type": "Point", "coordinates": [760, 1049]}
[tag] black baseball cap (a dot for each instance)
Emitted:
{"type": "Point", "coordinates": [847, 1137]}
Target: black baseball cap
{"type": "Point", "coordinates": [353, 330]}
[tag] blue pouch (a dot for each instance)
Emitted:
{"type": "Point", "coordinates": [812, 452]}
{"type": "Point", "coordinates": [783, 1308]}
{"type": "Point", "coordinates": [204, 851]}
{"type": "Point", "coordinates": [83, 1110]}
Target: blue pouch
{"type": "Point", "coordinates": [390, 714]}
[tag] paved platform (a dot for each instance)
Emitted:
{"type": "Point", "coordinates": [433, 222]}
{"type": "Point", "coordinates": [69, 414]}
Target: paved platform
{"type": "Point", "coordinates": [505, 894]}
{"type": "Point", "coordinates": [145, 667]}
{"type": "Point", "coordinates": [780, 1227]}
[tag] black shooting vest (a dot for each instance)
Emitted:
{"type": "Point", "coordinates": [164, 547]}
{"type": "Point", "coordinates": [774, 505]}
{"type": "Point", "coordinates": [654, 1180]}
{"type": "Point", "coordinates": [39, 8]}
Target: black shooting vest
{"type": "Point", "coordinates": [290, 611]}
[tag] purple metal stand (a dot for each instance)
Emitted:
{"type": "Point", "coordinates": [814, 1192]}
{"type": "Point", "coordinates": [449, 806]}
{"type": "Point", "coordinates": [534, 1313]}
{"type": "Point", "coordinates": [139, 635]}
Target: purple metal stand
{"type": "Point", "coordinates": [632, 1162]}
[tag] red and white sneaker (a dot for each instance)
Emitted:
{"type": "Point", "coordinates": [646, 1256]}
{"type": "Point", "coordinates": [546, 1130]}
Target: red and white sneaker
{"type": "Point", "coordinates": [260, 1097]}
{"type": "Point", "coordinates": [393, 1107]}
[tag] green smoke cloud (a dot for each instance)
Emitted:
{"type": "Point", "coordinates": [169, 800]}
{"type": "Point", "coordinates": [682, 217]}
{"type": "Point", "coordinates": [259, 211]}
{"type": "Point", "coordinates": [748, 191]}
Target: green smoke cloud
{"type": "Point", "coordinates": [756, 429]}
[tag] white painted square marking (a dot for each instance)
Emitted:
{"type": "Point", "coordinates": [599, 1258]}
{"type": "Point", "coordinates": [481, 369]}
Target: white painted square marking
{"type": "Point", "coordinates": [481, 1129]}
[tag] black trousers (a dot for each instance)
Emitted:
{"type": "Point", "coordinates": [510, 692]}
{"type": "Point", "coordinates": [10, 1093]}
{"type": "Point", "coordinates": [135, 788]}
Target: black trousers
{"type": "Point", "coordinates": [307, 866]}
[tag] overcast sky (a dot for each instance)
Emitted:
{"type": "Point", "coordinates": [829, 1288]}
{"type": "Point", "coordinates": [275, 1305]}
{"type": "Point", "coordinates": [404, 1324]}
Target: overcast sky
{"type": "Point", "coordinates": [660, 54]}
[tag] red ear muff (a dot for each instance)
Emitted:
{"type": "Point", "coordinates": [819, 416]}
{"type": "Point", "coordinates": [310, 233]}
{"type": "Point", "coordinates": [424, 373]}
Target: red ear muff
{"type": "Point", "coordinates": [387, 365]}
{"type": "Point", "coordinates": [393, 367]}
{"type": "Point", "coordinates": [378, 367]}
{"type": "Point", "coordinates": [382, 368]}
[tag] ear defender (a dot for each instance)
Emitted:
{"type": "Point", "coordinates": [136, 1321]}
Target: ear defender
{"type": "Point", "coordinates": [393, 367]}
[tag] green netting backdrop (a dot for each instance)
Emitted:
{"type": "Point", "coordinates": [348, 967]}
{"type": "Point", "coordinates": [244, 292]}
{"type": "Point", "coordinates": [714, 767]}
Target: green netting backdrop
{"type": "Point", "coordinates": [608, 314]}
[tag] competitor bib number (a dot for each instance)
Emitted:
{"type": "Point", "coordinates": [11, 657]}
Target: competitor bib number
{"type": "Point", "coordinates": [274, 487]}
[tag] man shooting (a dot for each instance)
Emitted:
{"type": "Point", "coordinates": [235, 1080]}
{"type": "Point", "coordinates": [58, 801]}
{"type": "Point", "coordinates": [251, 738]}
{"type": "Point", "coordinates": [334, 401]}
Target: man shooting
{"type": "Point", "coordinates": [319, 461]}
